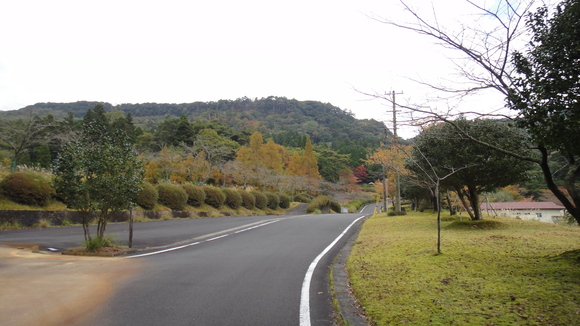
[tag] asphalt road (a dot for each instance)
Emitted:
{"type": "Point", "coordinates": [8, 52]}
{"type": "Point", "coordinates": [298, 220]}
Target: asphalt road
{"type": "Point", "coordinates": [220, 271]}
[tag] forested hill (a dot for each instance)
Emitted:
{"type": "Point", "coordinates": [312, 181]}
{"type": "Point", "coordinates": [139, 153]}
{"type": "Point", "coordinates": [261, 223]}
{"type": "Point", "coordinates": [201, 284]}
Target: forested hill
{"type": "Point", "coordinates": [277, 117]}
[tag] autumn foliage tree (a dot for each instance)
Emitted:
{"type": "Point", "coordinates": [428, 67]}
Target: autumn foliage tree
{"type": "Point", "coordinates": [361, 174]}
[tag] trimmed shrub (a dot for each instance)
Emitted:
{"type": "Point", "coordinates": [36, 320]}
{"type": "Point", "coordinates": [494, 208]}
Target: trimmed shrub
{"type": "Point", "coordinates": [302, 198]}
{"type": "Point", "coordinates": [233, 198]}
{"type": "Point", "coordinates": [248, 200]}
{"type": "Point", "coordinates": [284, 201]}
{"type": "Point", "coordinates": [195, 195]}
{"type": "Point", "coordinates": [27, 188]}
{"type": "Point", "coordinates": [148, 196]}
{"type": "Point", "coordinates": [172, 196]}
{"type": "Point", "coordinates": [335, 206]}
{"type": "Point", "coordinates": [261, 199]}
{"type": "Point", "coordinates": [322, 203]}
{"type": "Point", "coordinates": [273, 200]}
{"type": "Point", "coordinates": [214, 196]}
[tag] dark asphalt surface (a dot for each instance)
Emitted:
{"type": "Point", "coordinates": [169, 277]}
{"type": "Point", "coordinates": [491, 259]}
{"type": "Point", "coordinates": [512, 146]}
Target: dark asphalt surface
{"type": "Point", "coordinates": [151, 234]}
{"type": "Point", "coordinates": [250, 272]}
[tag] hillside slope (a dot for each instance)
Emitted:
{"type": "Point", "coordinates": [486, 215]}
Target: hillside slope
{"type": "Point", "coordinates": [272, 116]}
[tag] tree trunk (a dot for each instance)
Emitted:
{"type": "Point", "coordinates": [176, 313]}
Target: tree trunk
{"type": "Point", "coordinates": [86, 221]}
{"type": "Point", "coordinates": [102, 224]}
{"type": "Point", "coordinates": [130, 228]}
{"type": "Point", "coordinates": [569, 182]}
{"type": "Point", "coordinates": [451, 208]}
{"type": "Point", "coordinates": [438, 199]}
{"type": "Point", "coordinates": [474, 200]}
{"type": "Point", "coordinates": [464, 202]}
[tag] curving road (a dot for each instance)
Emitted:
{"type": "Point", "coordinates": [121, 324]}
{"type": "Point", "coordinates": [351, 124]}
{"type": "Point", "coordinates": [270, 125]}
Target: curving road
{"type": "Point", "coordinates": [226, 271]}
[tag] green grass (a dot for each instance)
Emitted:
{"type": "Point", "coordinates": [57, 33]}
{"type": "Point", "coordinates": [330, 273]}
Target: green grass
{"type": "Point", "coordinates": [500, 272]}
{"type": "Point", "coordinates": [10, 225]}
{"type": "Point", "coordinates": [53, 205]}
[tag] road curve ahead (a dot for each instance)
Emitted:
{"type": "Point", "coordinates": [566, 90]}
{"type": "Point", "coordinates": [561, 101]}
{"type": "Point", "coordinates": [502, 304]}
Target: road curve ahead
{"type": "Point", "coordinates": [243, 276]}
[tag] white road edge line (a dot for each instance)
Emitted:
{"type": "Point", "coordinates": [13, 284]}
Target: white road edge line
{"type": "Point", "coordinates": [197, 242]}
{"type": "Point", "coordinates": [305, 294]}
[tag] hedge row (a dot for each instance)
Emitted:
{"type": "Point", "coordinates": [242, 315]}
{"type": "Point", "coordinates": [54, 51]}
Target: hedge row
{"type": "Point", "coordinates": [177, 197]}
{"type": "Point", "coordinates": [32, 188]}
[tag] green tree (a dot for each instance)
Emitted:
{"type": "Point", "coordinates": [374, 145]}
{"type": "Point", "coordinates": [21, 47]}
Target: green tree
{"type": "Point", "coordinates": [546, 94]}
{"type": "Point", "coordinates": [126, 124]}
{"type": "Point", "coordinates": [165, 132]}
{"type": "Point", "coordinates": [442, 149]}
{"type": "Point", "coordinates": [184, 132]}
{"type": "Point", "coordinates": [98, 172]}
{"type": "Point", "coordinates": [331, 163]}
{"type": "Point", "coordinates": [42, 156]}
{"type": "Point", "coordinates": [22, 134]}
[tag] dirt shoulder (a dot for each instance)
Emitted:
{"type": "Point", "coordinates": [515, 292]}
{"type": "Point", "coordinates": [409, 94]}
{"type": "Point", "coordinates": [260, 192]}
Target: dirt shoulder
{"type": "Point", "coordinates": [54, 289]}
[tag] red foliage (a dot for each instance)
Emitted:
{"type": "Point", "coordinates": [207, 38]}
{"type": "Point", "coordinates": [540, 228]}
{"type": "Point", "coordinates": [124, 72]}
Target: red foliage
{"type": "Point", "coordinates": [361, 174]}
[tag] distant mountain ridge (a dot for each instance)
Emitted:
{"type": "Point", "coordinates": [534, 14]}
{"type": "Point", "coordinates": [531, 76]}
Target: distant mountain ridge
{"type": "Point", "coordinates": [323, 122]}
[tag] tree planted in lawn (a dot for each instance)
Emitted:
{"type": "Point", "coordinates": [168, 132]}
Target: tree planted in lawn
{"type": "Point", "coordinates": [442, 148]}
{"type": "Point", "coordinates": [99, 172]}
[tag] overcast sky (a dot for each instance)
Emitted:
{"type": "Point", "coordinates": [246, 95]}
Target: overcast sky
{"type": "Point", "coordinates": [177, 51]}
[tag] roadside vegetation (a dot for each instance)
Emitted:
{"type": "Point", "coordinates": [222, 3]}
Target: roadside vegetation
{"type": "Point", "coordinates": [505, 272]}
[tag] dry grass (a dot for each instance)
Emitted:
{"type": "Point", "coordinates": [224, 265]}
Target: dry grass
{"type": "Point", "coordinates": [511, 275]}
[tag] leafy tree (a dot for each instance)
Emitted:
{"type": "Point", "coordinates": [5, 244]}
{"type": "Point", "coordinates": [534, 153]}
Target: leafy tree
{"type": "Point", "coordinates": [217, 149]}
{"type": "Point", "coordinates": [442, 148]}
{"type": "Point", "coordinates": [126, 124]}
{"type": "Point", "coordinates": [271, 156]}
{"type": "Point", "coordinates": [42, 156]}
{"type": "Point", "coordinates": [184, 132]}
{"type": "Point", "coordinates": [166, 162]}
{"type": "Point", "coordinates": [165, 132]}
{"type": "Point", "coordinates": [310, 162]}
{"type": "Point", "coordinates": [256, 143]}
{"type": "Point", "coordinates": [295, 166]}
{"type": "Point", "coordinates": [152, 171]}
{"type": "Point", "coordinates": [331, 163]}
{"type": "Point", "coordinates": [357, 150]}
{"type": "Point", "coordinates": [96, 124]}
{"type": "Point", "coordinates": [361, 174]}
{"type": "Point", "coordinates": [290, 138]}
{"type": "Point", "coordinates": [546, 94]}
{"type": "Point", "coordinates": [98, 172]}
{"type": "Point", "coordinates": [391, 160]}
{"type": "Point", "coordinates": [22, 134]}
{"type": "Point", "coordinates": [145, 142]}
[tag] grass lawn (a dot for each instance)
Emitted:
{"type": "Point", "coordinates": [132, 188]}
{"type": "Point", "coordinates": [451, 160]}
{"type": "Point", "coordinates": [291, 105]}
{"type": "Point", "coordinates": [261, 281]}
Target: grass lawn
{"type": "Point", "coordinates": [516, 274]}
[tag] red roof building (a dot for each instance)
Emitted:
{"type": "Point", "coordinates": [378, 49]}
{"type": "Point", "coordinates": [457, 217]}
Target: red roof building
{"type": "Point", "coordinates": [532, 211]}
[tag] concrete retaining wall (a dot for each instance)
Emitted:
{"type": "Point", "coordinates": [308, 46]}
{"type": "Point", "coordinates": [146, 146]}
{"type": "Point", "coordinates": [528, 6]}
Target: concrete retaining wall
{"type": "Point", "coordinates": [30, 218]}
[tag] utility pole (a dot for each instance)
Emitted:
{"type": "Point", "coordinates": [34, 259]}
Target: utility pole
{"type": "Point", "coordinates": [385, 185]}
{"type": "Point", "coordinates": [395, 138]}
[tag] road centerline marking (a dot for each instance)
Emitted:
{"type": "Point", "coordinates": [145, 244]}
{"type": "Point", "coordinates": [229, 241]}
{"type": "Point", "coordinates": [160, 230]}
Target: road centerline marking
{"type": "Point", "coordinates": [202, 241]}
